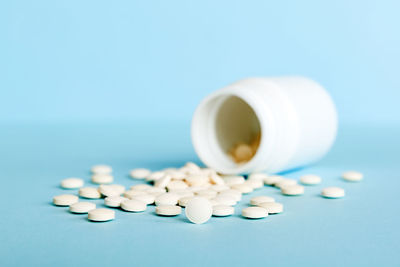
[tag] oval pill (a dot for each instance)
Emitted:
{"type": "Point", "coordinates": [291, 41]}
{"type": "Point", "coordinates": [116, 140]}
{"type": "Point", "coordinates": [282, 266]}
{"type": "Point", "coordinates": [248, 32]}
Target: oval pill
{"type": "Point", "coordinates": [82, 207]}
{"type": "Point", "coordinates": [72, 183]}
{"type": "Point", "coordinates": [101, 215]}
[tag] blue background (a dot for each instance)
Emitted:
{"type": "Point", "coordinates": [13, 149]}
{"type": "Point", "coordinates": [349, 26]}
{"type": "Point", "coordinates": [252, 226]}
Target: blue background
{"type": "Point", "coordinates": [88, 82]}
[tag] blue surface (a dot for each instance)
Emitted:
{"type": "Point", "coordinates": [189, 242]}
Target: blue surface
{"type": "Point", "coordinates": [360, 230]}
{"type": "Point", "coordinates": [97, 60]}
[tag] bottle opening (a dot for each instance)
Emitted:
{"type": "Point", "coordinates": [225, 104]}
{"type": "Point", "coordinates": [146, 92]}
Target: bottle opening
{"type": "Point", "coordinates": [237, 129]}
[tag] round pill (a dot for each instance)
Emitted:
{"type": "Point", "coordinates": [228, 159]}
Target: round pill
{"type": "Point", "coordinates": [114, 201]}
{"type": "Point", "coordinates": [206, 193]}
{"type": "Point", "coordinates": [352, 176]}
{"type": "Point", "coordinates": [310, 179]}
{"type": "Point", "coordinates": [65, 200]}
{"type": "Point", "coordinates": [141, 187]}
{"type": "Point", "coordinates": [226, 200]}
{"type": "Point", "coordinates": [71, 183]}
{"type": "Point", "coordinates": [333, 192]}
{"type": "Point", "coordinates": [233, 179]}
{"type": "Point", "coordinates": [273, 179]}
{"type": "Point", "coordinates": [111, 190]}
{"type": "Point", "coordinates": [183, 201]}
{"type": "Point", "coordinates": [140, 173]}
{"type": "Point", "coordinates": [101, 215]}
{"type": "Point", "coordinates": [89, 192]}
{"type": "Point", "coordinates": [146, 198]}
{"type": "Point", "coordinates": [258, 176]}
{"type": "Point", "coordinates": [101, 169]}
{"type": "Point", "coordinates": [167, 199]}
{"type": "Point", "coordinates": [243, 188]}
{"type": "Point", "coordinates": [192, 166]}
{"type": "Point", "coordinates": [254, 183]}
{"type": "Point", "coordinates": [292, 190]}
{"type": "Point", "coordinates": [236, 194]}
{"type": "Point", "coordinates": [102, 179]}
{"type": "Point", "coordinates": [285, 182]}
{"type": "Point", "coordinates": [272, 207]}
{"type": "Point", "coordinates": [156, 191]}
{"type": "Point", "coordinates": [176, 185]}
{"type": "Point", "coordinates": [133, 205]}
{"type": "Point", "coordinates": [216, 179]}
{"type": "Point", "coordinates": [196, 180]}
{"type": "Point", "coordinates": [222, 210]}
{"type": "Point", "coordinates": [219, 188]}
{"type": "Point", "coordinates": [254, 213]}
{"type": "Point", "coordinates": [82, 207]}
{"type": "Point", "coordinates": [163, 181]}
{"type": "Point", "coordinates": [255, 201]}
{"type": "Point", "coordinates": [154, 176]}
{"type": "Point", "coordinates": [168, 210]}
{"type": "Point", "coordinates": [177, 175]}
{"type": "Point", "coordinates": [198, 210]}
{"type": "Point", "coordinates": [133, 193]}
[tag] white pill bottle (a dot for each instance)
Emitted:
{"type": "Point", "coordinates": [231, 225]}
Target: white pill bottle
{"type": "Point", "coordinates": [294, 117]}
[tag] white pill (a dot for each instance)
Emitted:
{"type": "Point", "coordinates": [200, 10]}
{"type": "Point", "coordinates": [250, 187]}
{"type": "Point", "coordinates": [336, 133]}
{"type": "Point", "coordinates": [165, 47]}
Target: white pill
{"type": "Point", "coordinates": [292, 190]}
{"type": "Point", "coordinates": [111, 190]}
{"type": "Point", "coordinates": [233, 180]}
{"type": "Point", "coordinates": [255, 201]}
{"type": "Point", "coordinates": [206, 193]}
{"type": "Point", "coordinates": [254, 213]}
{"type": "Point", "coordinates": [89, 192]}
{"type": "Point", "coordinates": [140, 173]}
{"type": "Point", "coordinates": [156, 191]}
{"type": "Point", "coordinates": [82, 207]}
{"type": "Point", "coordinates": [254, 183]}
{"type": "Point", "coordinates": [133, 205]}
{"type": "Point", "coordinates": [310, 179]}
{"type": "Point", "coordinates": [177, 175]}
{"type": "Point", "coordinates": [176, 185]}
{"type": "Point", "coordinates": [333, 192]}
{"type": "Point", "coordinates": [243, 188]}
{"type": "Point", "coordinates": [102, 179]}
{"type": "Point", "coordinates": [223, 210]}
{"type": "Point", "coordinates": [146, 198]}
{"type": "Point", "coordinates": [168, 210]}
{"type": "Point", "coordinates": [101, 169]}
{"type": "Point", "coordinates": [285, 182]}
{"type": "Point", "coordinates": [219, 188]}
{"type": "Point", "coordinates": [273, 179]}
{"type": "Point", "coordinates": [141, 187]}
{"type": "Point", "coordinates": [163, 182]}
{"type": "Point", "coordinates": [197, 180]}
{"type": "Point", "coordinates": [198, 210]}
{"type": "Point", "coordinates": [167, 199]}
{"type": "Point", "coordinates": [101, 215]}
{"type": "Point", "coordinates": [183, 201]}
{"type": "Point", "coordinates": [227, 200]}
{"type": "Point", "coordinates": [133, 193]}
{"type": "Point", "coordinates": [71, 183]}
{"type": "Point", "coordinates": [258, 176]}
{"type": "Point", "coordinates": [352, 176]}
{"type": "Point", "coordinates": [154, 176]}
{"type": "Point", "coordinates": [192, 166]}
{"type": "Point", "coordinates": [183, 193]}
{"type": "Point", "coordinates": [272, 207]}
{"type": "Point", "coordinates": [65, 200]}
{"type": "Point", "coordinates": [114, 201]}
{"type": "Point", "coordinates": [236, 194]}
{"type": "Point", "coordinates": [216, 179]}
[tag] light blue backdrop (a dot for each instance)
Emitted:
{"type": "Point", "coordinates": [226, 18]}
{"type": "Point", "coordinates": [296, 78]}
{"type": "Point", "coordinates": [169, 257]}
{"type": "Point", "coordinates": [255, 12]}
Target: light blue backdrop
{"type": "Point", "coordinates": [68, 60]}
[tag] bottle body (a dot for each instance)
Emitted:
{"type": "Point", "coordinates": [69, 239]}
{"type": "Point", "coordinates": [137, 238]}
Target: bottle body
{"type": "Point", "coordinates": [294, 118]}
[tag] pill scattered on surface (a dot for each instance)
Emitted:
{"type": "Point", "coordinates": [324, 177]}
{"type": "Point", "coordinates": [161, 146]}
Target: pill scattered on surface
{"type": "Point", "coordinates": [72, 183]}
{"type": "Point", "coordinates": [254, 213]}
{"type": "Point", "coordinates": [206, 193]}
{"type": "Point", "coordinates": [168, 210]}
{"type": "Point", "coordinates": [102, 179]}
{"type": "Point", "coordinates": [258, 176]}
{"type": "Point", "coordinates": [352, 176]}
{"type": "Point", "coordinates": [176, 185]}
{"type": "Point", "coordinates": [111, 190]}
{"type": "Point", "coordinates": [243, 188]}
{"type": "Point", "coordinates": [223, 210]}
{"type": "Point", "coordinates": [141, 187]}
{"type": "Point", "coordinates": [233, 180]}
{"type": "Point", "coordinates": [89, 192]}
{"type": "Point", "coordinates": [310, 179]}
{"type": "Point", "coordinates": [255, 201]}
{"type": "Point", "coordinates": [114, 201]}
{"type": "Point", "coordinates": [273, 179]}
{"type": "Point", "coordinates": [133, 205]}
{"type": "Point", "coordinates": [226, 200]}
{"type": "Point", "coordinates": [198, 210]}
{"type": "Point", "coordinates": [139, 173]}
{"type": "Point", "coordinates": [167, 199]}
{"type": "Point", "coordinates": [154, 176]}
{"type": "Point", "coordinates": [231, 192]}
{"type": "Point", "coordinates": [285, 182]}
{"type": "Point", "coordinates": [163, 181]}
{"type": "Point", "coordinates": [255, 183]}
{"type": "Point", "coordinates": [333, 192]}
{"type": "Point", "coordinates": [65, 200]}
{"type": "Point", "coordinates": [101, 169]}
{"type": "Point", "coordinates": [145, 198]}
{"type": "Point", "coordinates": [82, 207]}
{"type": "Point", "coordinates": [272, 207]}
{"type": "Point", "coordinates": [101, 215]}
{"type": "Point", "coordinates": [292, 190]}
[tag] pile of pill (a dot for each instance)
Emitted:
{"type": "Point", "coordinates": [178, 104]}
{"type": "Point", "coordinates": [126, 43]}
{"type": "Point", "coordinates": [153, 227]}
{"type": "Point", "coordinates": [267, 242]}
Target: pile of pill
{"type": "Point", "coordinates": [242, 152]}
{"type": "Point", "coordinates": [201, 192]}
